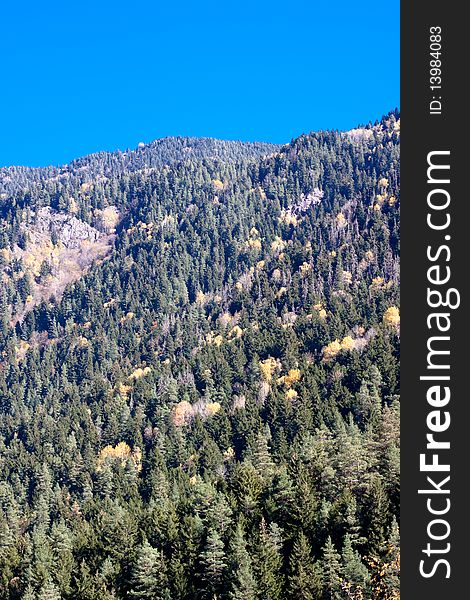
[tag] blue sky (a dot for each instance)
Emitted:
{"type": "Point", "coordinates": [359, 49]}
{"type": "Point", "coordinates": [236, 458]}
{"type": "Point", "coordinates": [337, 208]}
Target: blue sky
{"type": "Point", "coordinates": [79, 77]}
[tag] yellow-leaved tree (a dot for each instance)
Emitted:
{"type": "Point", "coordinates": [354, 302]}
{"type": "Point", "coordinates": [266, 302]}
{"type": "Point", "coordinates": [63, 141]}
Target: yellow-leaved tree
{"type": "Point", "coordinates": [392, 316]}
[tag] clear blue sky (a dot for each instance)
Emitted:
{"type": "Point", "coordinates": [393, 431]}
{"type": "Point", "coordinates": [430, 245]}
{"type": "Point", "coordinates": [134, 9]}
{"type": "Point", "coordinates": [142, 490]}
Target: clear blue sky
{"type": "Point", "coordinates": [79, 77]}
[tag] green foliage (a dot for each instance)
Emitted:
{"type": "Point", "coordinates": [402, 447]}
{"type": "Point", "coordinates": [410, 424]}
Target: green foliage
{"type": "Point", "coordinates": [149, 577]}
{"type": "Point", "coordinates": [243, 585]}
{"type": "Point", "coordinates": [212, 411]}
{"type": "Point", "coordinates": [305, 576]}
{"type": "Point", "coordinates": [269, 561]}
{"type": "Point", "coordinates": [332, 571]}
{"type": "Point", "coordinates": [213, 565]}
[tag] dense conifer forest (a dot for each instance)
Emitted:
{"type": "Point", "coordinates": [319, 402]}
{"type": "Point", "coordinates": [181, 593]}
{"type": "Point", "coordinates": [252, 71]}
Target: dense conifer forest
{"type": "Point", "coordinates": [199, 351]}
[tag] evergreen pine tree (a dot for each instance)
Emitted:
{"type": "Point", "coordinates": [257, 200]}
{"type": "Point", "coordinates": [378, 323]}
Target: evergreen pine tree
{"type": "Point", "coordinates": [377, 514]}
{"type": "Point", "coordinates": [269, 562]}
{"type": "Point", "coordinates": [243, 585]}
{"type": "Point", "coordinates": [29, 593]}
{"type": "Point", "coordinates": [49, 591]}
{"type": "Point", "coordinates": [354, 570]}
{"type": "Point", "coordinates": [149, 578]}
{"type": "Point", "coordinates": [305, 577]}
{"type": "Point", "coordinates": [213, 565]}
{"type": "Point", "coordinates": [332, 574]}
{"type": "Point", "coordinates": [261, 457]}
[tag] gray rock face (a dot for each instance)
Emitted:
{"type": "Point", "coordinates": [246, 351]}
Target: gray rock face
{"type": "Point", "coordinates": [68, 229]}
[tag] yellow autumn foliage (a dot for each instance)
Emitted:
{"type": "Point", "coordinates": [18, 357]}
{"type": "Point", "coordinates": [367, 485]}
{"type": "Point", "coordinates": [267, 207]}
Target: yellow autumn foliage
{"type": "Point", "coordinates": [123, 389]}
{"type": "Point", "coordinates": [212, 408]}
{"type": "Point", "coordinates": [321, 311]}
{"type": "Point", "coordinates": [218, 340]}
{"type": "Point", "coordinates": [139, 372]}
{"type": "Point", "coordinates": [278, 244]}
{"type": "Point", "coordinates": [110, 218]}
{"type": "Point", "coordinates": [267, 368]}
{"type": "Point", "coordinates": [82, 342]}
{"type": "Point", "coordinates": [288, 218]}
{"type": "Point", "coordinates": [236, 332]}
{"type": "Point", "coordinates": [73, 207]}
{"type": "Point", "coordinates": [214, 340]}
{"type": "Point", "coordinates": [331, 350]}
{"type": "Point", "coordinates": [6, 254]}
{"type": "Point", "coordinates": [21, 350]}
{"type": "Point", "coordinates": [121, 453]}
{"type": "Point", "coordinates": [200, 297]}
{"type": "Point", "coordinates": [217, 184]}
{"type": "Point", "coordinates": [293, 376]}
{"type": "Point", "coordinates": [182, 413]}
{"type": "Point", "coordinates": [291, 394]}
{"type": "Point", "coordinates": [347, 343]}
{"type": "Point", "coordinates": [253, 243]}
{"type": "Point", "coordinates": [392, 316]}
{"type": "Point", "coordinates": [229, 454]}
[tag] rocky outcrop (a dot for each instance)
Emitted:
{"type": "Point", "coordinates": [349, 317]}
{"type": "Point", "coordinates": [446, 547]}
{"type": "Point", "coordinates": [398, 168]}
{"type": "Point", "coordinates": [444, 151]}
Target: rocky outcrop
{"type": "Point", "coordinates": [57, 249]}
{"type": "Point", "coordinates": [66, 228]}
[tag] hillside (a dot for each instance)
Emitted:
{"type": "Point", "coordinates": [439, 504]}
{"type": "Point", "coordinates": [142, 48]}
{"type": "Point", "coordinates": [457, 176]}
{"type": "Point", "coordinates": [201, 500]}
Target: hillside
{"type": "Point", "coordinates": [56, 221]}
{"type": "Point", "coordinates": [199, 371]}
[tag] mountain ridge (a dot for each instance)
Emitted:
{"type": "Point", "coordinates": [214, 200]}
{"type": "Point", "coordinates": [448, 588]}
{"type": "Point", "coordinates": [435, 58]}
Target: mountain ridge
{"type": "Point", "coordinates": [151, 155]}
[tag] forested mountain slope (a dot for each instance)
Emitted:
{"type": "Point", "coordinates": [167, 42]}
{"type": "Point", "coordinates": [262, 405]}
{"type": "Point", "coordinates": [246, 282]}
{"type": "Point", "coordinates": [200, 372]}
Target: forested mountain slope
{"type": "Point", "coordinates": [209, 407]}
{"type": "Point", "coordinates": [55, 221]}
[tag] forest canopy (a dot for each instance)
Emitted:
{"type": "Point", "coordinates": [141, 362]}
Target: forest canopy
{"type": "Point", "coordinates": [199, 372]}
